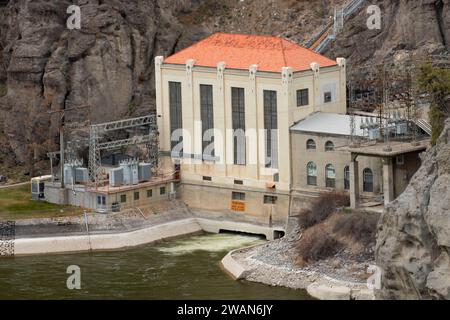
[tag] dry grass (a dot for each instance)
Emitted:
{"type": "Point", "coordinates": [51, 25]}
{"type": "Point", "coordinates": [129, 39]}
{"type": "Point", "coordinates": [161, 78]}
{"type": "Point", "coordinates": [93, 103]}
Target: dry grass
{"type": "Point", "coordinates": [322, 208]}
{"type": "Point", "coordinates": [326, 232]}
{"type": "Point", "coordinates": [317, 244]}
{"type": "Point", "coordinates": [16, 204]}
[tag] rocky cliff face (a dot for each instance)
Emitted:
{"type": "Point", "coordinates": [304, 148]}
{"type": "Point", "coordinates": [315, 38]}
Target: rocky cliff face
{"type": "Point", "coordinates": [413, 245]}
{"type": "Point", "coordinates": [107, 66]}
{"type": "Point", "coordinates": [408, 28]}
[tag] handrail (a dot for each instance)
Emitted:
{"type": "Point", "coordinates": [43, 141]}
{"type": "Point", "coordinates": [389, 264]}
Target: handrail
{"type": "Point", "coordinates": [319, 43]}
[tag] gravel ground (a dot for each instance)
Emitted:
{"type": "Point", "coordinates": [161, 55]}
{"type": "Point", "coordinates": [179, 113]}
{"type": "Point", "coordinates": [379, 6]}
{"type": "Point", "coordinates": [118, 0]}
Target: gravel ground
{"type": "Point", "coordinates": [274, 263]}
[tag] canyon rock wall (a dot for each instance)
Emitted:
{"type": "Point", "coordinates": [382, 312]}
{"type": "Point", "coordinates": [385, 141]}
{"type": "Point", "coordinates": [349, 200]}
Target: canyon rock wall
{"type": "Point", "coordinates": [106, 68]}
{"type": "Point", "coordinates": [413, 241]}
{"type": "Point", "coordinates": [409, 28]}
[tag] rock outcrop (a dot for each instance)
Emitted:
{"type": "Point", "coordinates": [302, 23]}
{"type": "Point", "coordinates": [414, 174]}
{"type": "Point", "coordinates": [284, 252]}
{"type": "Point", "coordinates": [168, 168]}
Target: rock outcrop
{"type": "Point", "coordinates": [413, 241]}
{"type": "Point", "coordinates": [409, 28]}
{"type": "Point", "coordinates": [107, 66]}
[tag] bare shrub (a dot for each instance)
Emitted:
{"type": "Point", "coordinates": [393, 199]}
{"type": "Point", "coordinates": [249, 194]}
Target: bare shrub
{"type": "Point", "coordinates": [317, 244]}
{"type": "Point", "coordinates": [322, 208]}
{"type": "Point", "coordinates": [360, 227]}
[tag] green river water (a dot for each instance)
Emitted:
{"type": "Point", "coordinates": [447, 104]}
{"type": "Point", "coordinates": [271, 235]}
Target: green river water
{"type": "Point", "coordinates": [182, 268]}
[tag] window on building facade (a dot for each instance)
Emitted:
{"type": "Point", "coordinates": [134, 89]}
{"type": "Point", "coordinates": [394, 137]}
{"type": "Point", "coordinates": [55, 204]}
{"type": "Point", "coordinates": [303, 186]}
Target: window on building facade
{"type": "Point", "coordinates": [347, 178]}
{"type": "Point", "coordinates": [330, 176]}
{"type": "Point", "coordinates": [367, 180]}
{"type": "Point", "coordinates": [311, 172]}
{"type": "Point", "coordinates": [271, 128]}
{"type": "Point", "coordinates": [302, 97]}
{"type": "Point", "coordinates": [149, 193]}
{"type": "Point", "coordinates": [207, 118]}
{"type": "Point", "coordinates": [101, 200]}
{"type": "Point", "coordinates": [162, 190]}
{"type": "Point", "coordinates": [329, 146]}
{"type": "Point", "coordinates": [176, 121]}
{"type": "Point", "coordinates": [123, 198]}
{"type": "Point", "coordinates": [270, 199]}
{"type": "Point", "coordinates": [136, 195]}
{"type": "Point", "coordinates": [238, 119]}
{"type": "Point", "coordinates": [207, 178]}
{"type": "Point", "coordinates": [238, 181]}
{"type": "Point", "coordinates": [310, 144]}
{"type": "Point", "coordinates": [327, 97]}
{"type": "Point", "coordinates": [238, 196]}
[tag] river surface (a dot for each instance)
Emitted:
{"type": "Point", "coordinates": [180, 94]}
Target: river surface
{"type": "Point", "coordinates": [182, 268]}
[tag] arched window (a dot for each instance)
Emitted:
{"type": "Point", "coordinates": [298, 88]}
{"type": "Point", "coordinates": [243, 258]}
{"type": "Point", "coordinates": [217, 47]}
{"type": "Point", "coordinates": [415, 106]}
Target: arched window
{"type": "Point", "coordinates": [330, 176]}
{"type": "Point", "coordinates": [367, 180]}
{"type": "Point", "coordinates": [329, 146]}
{"type": "Point", "coordinates": [311, 171]}
{"type": "Point", "coordinates": [310, 144]}
{"type": "Point", "coordinates": [347, 178]}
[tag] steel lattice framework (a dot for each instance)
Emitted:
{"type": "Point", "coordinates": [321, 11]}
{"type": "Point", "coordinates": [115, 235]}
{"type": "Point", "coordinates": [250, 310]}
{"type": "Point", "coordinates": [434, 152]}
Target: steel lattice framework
{"type": "Point", "coordinates": [97, 131]}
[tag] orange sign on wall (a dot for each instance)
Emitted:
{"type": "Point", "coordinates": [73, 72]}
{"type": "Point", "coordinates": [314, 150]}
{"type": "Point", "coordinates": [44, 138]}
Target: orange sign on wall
{"type": "Point", "coordinates": [237, 205]}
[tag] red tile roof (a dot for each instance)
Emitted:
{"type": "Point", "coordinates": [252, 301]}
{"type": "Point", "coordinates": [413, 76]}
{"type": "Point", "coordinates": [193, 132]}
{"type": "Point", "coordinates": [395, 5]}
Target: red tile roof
{"type": "Point", "coordinates": [239, 51]}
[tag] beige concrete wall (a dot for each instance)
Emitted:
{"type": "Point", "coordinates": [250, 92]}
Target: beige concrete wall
{"type": "Point", "coordinates": [208, 196]}
{"type": "Point", "coordinates": [197, 192]}
{"type": "Point", "coordinates": [316, 83]}
{"type": "Point", "coordinates": [285, 83]}
{"type": "Point", "coordinates": [339, 159]}
{"type": "Point", "coordinates": [79, 197]}
{"type": "Point", "coordinates": [143, 198]}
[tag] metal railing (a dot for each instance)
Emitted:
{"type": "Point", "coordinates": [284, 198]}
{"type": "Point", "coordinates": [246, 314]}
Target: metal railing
{"type": "Point", "coordinates": [347, 10]}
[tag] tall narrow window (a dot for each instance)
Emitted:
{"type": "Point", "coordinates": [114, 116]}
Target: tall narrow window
{"type": "Point", "coordinates": [367, 180]}
{"type": "Point", "coordinates": [271, 126]}
{"type": "Point", "coordinates": [330, 176]}
{"type": "Point", "coordinates": [347, 178]}
{"type": "Point", "coordinates": [302, 97]}
{"type": "Point", "coordinates": [207, 117]}
{"type": "Point", "coordinates": [238, 118]}
{"type": "Point", "coordinates": [175, 117]}
{"type": "Point", "coordinates": [311, 172]}
{"type": "Point", "coordinates": [327, 97]}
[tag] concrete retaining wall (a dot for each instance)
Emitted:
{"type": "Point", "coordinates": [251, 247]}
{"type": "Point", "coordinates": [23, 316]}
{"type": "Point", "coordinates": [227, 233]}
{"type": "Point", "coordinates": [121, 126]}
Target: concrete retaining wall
{"type": "Point", "coordinates": [30, 246]}
{"type": "Point", "coordinates": [232, 267]}
{"type": "Point", "coordinates": [118, 240]}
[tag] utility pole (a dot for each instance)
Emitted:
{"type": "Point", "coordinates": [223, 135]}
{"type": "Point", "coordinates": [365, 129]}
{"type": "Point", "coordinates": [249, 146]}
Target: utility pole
{"type": "Point", "coordinates": [61, 152]}
{"type": "Point", "coordinates": [61, 139]}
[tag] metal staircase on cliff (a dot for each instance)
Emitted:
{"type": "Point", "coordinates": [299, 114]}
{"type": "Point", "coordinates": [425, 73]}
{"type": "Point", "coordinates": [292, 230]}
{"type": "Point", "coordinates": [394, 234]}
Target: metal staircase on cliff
{"type": "Point", "coordinates": [424, 125]}
{"type": "Point", "coordinates": [321, 41]}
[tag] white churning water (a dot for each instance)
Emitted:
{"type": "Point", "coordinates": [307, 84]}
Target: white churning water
{"type": "Point", "coordinates": [210, 242]}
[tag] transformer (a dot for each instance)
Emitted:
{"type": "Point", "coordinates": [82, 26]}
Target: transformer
{"type": "Point", "coordinates": [116, 177]}
{"type": "Point", "coordinates": [145, 171]}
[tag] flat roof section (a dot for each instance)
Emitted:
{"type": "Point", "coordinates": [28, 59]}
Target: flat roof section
{"type": "Point", "coordinates": [329, 123]}
{"type": "Point", "coordinates": [397, 148]}
{"type": "Point", "coordinates": [154, 181]}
